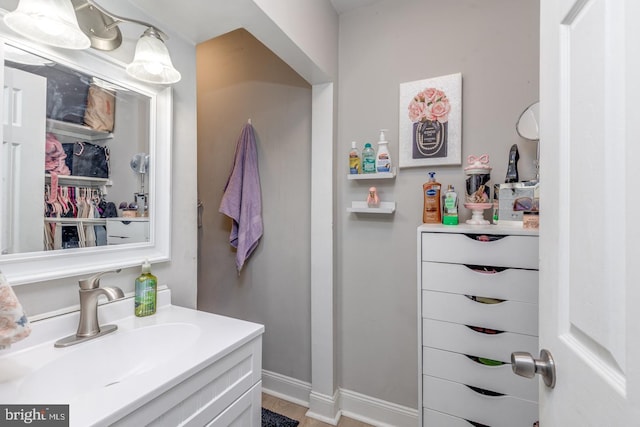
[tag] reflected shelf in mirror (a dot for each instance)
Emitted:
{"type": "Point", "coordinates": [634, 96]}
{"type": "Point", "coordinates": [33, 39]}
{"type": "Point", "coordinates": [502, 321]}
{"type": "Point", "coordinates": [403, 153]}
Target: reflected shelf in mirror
{"type": "Point", "coordinates": [75, 130]}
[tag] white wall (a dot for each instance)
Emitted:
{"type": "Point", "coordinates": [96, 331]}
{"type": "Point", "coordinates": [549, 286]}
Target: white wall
{"type": "Point", "coordinates": [494, 44]}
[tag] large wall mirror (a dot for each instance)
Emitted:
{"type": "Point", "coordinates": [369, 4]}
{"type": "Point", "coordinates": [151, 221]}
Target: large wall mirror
{"type": "Point", "coordinates": [84, 164]}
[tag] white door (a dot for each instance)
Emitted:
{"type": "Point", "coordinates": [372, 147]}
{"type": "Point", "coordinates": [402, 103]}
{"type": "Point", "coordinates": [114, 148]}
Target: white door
{"type": "Point", "coordinates": [22, 156]}
{"type": "Point", "coordinates": [589, 231]}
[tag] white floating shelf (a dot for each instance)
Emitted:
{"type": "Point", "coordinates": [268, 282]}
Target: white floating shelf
{"type": "Point", "coordinates": [362, 207]}
{"type": "Point", "coordinates": [84, 133]}
{"type": "Point", "coordinates": [377, 175]}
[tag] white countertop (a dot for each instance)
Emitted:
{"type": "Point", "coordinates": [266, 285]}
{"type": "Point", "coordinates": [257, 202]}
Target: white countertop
{"type": "Point", "coordinates": [210, 339]}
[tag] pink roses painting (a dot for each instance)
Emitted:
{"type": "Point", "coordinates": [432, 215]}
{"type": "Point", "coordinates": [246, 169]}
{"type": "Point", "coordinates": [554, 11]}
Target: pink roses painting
{"type": "Point", "coordinates": [430, 121]}
{"type": "Point", "coordinates": [430, 104]}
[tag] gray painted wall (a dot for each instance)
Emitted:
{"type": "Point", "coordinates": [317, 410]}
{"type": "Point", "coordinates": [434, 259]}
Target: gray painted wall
{"type": "Point", "coordinates": [239, 78]}
{"type": "Point", "coordinates": [494, 44]}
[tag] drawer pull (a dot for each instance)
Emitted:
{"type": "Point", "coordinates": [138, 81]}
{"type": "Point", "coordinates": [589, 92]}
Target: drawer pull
{"type": "Point", "coordinates": [484, 361]}
{"type": "Point", "coordinates": [484, 391]}
{"type": "Point", "coordinates": [484, 330]}
{"type": "Point", "coordinates": [475, 424]}
{"type": "Point", "coordinates": [484, 300]}
{"type": "Point", "coordinates": [486, 269]}
{"type": "Point", "coordinates": [485, 237]}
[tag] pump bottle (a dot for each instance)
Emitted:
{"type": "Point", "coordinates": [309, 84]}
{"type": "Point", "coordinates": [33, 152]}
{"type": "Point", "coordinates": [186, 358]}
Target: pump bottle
{"type": "Point", "coordinates": [431, 212]}
{"type": "Point", "coordinates": [383, 158]}
{"type": "Point", "coordinates": [146, 292]}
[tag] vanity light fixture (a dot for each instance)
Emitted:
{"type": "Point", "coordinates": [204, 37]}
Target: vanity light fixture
{"type": "Point", "coordinates": [53, 22]}
{"type": "Point", "coordinates": [152, 62]}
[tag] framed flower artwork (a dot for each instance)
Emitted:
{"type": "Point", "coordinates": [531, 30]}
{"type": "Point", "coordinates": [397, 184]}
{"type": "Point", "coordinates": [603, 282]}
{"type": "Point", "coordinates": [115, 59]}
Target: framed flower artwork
{"type": "Point", "coordinates": [431, 122]}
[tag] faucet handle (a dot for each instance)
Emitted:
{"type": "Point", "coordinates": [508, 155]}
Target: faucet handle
{"type": "Point", "coordinates": [93, 282]}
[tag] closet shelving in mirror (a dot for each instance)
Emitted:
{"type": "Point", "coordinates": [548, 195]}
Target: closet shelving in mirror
{"type": "Point", "coordinates": [79, 181]}
{"type": "Point", "coordinates": [74, 130]}
{"type": "Point", "coordinates": [75, 221]}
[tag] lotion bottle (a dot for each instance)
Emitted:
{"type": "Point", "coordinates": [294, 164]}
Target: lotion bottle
{"type": "Point", "coordinates": [354, 159]}
{"type": "Point", "coordinates": [431, 212]}
{"type": "Point", "coordinates": [146, 292]}
{"type": "Point", "coordinates": [450, 211]}
{"type": "Point", "coordinates": [383, 158]}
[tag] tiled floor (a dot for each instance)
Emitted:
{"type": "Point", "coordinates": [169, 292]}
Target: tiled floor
{"type": "Point", "coordinates": [297, 412]}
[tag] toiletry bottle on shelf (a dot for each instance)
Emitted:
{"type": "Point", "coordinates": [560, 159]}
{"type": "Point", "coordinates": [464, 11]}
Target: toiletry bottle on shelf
{"type": "Point", "coordinates": [368, 159]}
{"type": "Point", "coordinates": [431, 212]}
{"type": "Point", "coordinates": [383, 158]}
{"type": "Point", "coordinates": [354, 159]}
{"type": "Point", "coordinates": [146, 292]}
{"type": "Point", "coordinates": [450, 211]}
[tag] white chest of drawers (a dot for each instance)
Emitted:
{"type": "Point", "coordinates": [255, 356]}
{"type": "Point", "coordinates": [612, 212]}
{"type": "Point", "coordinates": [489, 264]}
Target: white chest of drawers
{"type": "Point", "coordinates": [477, 303]}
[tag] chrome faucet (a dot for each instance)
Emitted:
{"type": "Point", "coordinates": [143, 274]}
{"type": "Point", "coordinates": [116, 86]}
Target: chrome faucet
{"type": "Point", "coordinates": [88, 327]}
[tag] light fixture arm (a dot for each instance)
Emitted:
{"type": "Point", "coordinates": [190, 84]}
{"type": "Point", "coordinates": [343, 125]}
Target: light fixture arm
{"type": "Point", "coordinates": [119, 19]}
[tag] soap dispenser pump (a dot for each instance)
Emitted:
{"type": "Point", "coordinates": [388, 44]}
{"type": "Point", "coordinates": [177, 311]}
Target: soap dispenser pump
{"type": "Point", "coordinates": [146, 288]}
{"type": "Point", "coordinates": [383, 158]}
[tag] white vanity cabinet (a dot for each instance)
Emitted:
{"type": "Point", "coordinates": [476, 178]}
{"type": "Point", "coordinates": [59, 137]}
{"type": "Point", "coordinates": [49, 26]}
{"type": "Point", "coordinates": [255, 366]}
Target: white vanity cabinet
{"type": "Point", "coordinates": [477, 303]}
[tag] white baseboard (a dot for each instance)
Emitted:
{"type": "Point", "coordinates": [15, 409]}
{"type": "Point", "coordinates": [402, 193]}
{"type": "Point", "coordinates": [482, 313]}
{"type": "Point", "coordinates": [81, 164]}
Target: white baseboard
{"type": "Point", "coordinates": [324, 408]}
{"type": "Point", "coordinates": [351, 404]}
{"type": "Point", "coordinates": [286, 388]}
{"type": "Point", "coordinates": [376, 412]}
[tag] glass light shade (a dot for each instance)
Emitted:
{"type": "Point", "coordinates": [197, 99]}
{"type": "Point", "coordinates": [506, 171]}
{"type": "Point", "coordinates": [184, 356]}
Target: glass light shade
{"type": "Point", "coordinates": [51, 22]}
{"type": "Point", "coordinates": [152, 63]}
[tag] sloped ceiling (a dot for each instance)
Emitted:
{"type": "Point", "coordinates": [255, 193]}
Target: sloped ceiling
{"type": "Point", "coordinates": [201, 20]}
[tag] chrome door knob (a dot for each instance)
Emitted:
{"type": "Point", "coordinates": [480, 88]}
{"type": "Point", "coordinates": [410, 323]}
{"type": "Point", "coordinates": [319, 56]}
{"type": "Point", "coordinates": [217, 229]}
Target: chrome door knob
{"type": "Point", "coordinates": [523, 364]}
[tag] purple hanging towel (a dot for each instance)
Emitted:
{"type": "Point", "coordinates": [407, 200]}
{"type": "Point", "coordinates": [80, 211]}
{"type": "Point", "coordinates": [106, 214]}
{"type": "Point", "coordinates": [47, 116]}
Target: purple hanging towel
{"type": "Point", "coordinates": [242, 201]}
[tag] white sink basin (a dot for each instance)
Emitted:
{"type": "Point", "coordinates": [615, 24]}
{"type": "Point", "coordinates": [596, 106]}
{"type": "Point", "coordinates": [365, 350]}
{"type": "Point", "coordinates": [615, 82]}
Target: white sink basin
{"type": "Point", "coordinates": [106, 361]}
{"type": "Point", "coordinates": [115, 376]}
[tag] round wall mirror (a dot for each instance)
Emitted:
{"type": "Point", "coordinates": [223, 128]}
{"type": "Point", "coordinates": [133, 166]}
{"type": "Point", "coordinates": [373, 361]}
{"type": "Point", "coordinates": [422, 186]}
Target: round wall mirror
{"type": "Point", "coordinates": [528, 122]}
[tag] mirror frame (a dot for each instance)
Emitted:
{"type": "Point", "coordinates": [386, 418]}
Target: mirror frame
{"type": "Point", "coordinates": [30, 267]}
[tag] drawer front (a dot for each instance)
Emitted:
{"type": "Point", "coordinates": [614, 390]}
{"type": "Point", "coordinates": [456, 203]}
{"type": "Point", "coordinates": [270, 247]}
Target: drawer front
{"type": "Point", "coordinates": [461, 401]}
{"type": "Point", "coordinates": [461, 369]}
{"type": "Point", "coordinates": [432, 418]}
{"type": "Point", "coordinates": [461, 339]}
{"type": "Point", "coordinates": [119, 232]}
{"type": "Point", "coordinates": [508, 251]}
{"type": "Point", "coordinates": [512, 316]}
{"type": "Point", "coordinates": [511, 284]}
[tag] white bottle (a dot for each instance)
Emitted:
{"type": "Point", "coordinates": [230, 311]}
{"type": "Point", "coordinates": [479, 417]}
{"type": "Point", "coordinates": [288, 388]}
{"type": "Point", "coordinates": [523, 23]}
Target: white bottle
{"type": "Point", "coordinates": [383, 158]}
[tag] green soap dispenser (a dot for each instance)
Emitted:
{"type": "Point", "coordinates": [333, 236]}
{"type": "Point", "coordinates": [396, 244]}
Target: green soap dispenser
{"type": "Point", "coordinates": [146, 292]}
